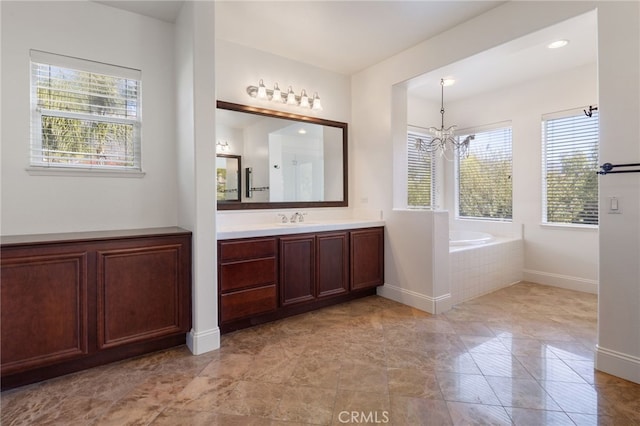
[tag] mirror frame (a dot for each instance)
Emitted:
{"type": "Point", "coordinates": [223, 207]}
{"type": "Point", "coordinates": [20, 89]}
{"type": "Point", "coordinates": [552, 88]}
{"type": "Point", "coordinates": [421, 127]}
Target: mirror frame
{"type": "Point", "coordinates": [293, 117]}
{"type": "Point", "coordinates": [238, 178]}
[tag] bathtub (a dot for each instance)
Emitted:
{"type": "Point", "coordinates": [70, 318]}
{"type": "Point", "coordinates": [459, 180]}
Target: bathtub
{"type": "Point", "coordinates": [463, 238]}
{"type": "Point", "coordinates": [480, 263]}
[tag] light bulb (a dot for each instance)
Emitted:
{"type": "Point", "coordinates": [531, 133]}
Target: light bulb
{"type": "Point", "coordinates": [304, 100]}
{"type": "Point", "coordinates": [262, 91]}
{"type": "Point", "coordinates": [291, 97]}
{"type": "Point", "coordinates": [316, 105]}
{"type": "Point", "coordinates": [277, 95]}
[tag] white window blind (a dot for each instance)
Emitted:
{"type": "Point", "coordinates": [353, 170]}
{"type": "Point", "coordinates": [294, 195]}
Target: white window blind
{"type": "Point", "coordinates": [420, 173]}
{"type": "Point", "coordinates": [484, 177]}
{"type": "Point", "coordinates": [84, 114]}
{"type": "Point", "coordinates": [570, 161]}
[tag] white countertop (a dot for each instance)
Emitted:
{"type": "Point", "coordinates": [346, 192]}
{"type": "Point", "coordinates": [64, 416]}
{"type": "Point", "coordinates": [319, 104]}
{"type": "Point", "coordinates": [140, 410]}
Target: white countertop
{"type": "Point", "coordinates": [270, 229]}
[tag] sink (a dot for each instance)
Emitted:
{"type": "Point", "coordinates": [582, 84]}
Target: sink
{"type": "Point", "coordinates": [295, 223]}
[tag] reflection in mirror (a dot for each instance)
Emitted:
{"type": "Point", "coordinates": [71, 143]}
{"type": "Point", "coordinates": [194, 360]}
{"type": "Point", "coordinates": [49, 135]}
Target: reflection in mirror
{"type": "Point", "coordinates": [295, 161]}
{"type": "Point", "coordinates": [228, 177]}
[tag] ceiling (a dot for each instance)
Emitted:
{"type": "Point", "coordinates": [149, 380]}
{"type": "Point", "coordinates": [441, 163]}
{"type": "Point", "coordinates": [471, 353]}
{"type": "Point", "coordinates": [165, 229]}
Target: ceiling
{"type": "Point", "coordinates": [349, 36]}
{"type": "Point", "coordinates": [517, 61]}
{"type": "Point", "coordinates": [340, 36]}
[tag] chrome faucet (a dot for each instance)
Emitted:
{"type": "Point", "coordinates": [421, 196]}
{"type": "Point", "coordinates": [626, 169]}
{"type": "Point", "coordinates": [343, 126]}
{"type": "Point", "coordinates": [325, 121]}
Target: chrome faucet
{"type": "Point", "coordinates": [284, 218]}
{"type": "Point", "coordinates": [297, 217]}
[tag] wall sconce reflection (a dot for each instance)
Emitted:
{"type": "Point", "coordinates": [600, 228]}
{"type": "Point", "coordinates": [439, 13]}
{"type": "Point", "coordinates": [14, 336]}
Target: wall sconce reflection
{"type": "Point", "coordinates": [222, 146]}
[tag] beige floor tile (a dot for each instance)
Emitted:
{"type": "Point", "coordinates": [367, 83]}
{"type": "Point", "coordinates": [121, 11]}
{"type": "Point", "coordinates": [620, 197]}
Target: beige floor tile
{"type": "Point", "coordinates": [465, 414]}
{"type": "Point", "coordinates": [522, 393]}
{"type": "Point", "coordinates": [466, 388]}
{"type": "Point", "coordinates": [363, 408]}
{"type": "Point", "coordinates": [413, 383]}
{"type": "Point", "coordinates": [531, 417]}
{"type": "Point", "coordinates": [418, 411]}
{"type": "Point", "coordinates": [306, 404]}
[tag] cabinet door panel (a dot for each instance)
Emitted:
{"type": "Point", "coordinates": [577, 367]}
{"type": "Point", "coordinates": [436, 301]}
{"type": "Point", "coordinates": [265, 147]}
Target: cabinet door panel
{"type": "Point", "coordinates": [247, 273]}
{"type": "Point", "coordinates": [140, 295]}
{"type": "Point", "coordinates": [367, 258]}
{"type": "Point", "coordinates": [245, 303]}
{"type": "Point", "coordinates": [297, 255]}
{"type": "Point", "coordinates": [44, 310]}
{"type": "Point", "coordinates": [246, 249]}
{"type": "Point", "coordinates": [332, 264]}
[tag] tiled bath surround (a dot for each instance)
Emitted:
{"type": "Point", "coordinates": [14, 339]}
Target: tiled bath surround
{"type": "Point", "coordinates": [475, 270]}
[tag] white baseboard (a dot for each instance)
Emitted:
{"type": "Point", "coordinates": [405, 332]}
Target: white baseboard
{"type": "Point", "coordinates": [618, 364]}
{"type": "Point", "coordinates": [203, 341]}
{"type": "Point", "coordinates": [561, 281]}
{"type": "Point", "coordinates": [416, 300]}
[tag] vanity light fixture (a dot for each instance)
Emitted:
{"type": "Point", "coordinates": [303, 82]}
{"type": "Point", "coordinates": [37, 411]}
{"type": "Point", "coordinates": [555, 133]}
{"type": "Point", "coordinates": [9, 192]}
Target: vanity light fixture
{"type": "Point", "coordinates": [444, 137]}
{"type": "Point", "coordinates": [222, 146]}
{"type": "Point", "coordinates": [290, 98]}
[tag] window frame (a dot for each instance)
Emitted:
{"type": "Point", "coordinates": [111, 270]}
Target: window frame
{"type": "Point", "coordinates": [37, 166]}
{"type": "Point", "coordinates": [461, 134]}
{"type": "Point", "coordinates": [577, 113]}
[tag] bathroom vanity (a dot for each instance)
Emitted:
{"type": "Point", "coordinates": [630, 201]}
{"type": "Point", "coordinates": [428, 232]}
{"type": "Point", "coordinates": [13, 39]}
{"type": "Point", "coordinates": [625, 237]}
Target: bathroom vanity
{"type": "Point", "coordinates": [271, 272]}
{"type": "Point", "coordinates": [77, 300]}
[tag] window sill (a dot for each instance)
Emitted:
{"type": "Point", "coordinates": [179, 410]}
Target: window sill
{"type": "Point", "coordinates": [82, 172]}
{"type": "Point", "coordinates": [569, 226]}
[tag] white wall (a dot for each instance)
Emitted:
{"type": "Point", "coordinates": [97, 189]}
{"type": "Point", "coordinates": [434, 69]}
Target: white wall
{"type": "Point", "coordinates": [88, 30]}
{"type": "Point", "coordinates": [563, 256]}
{"type": "Point", "coordinates": [375, 137]}
{"type": "Point", "coordinates": [618, 350]}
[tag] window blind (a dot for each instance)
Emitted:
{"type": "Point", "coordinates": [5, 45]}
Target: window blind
{"type": "Point", "coordinates": [570, 161]}
{"type": "Point", "coordinates": [83, 118]}
{"type": "Point", "coordinates": [484, 177]}
{"type": "Point", "coordinates": [420, 173]}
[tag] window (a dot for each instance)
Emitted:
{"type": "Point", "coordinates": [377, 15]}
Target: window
{"type": "Point", "coordinates": [84, 114]}
{"type": "Point", "coordinates": [484, 177]}
{"type": "Point", "coordinates": [570, 161]}
{"type": "Point", "coordinates": [420, 173]}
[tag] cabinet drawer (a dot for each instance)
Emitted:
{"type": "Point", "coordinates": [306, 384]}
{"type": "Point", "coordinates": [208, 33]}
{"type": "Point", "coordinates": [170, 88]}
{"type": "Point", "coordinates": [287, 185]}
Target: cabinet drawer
{"type": "Point", "coordinates": [247, 273]}
{"type": "Point", "coordinates": [246, 249]}
{"type": "Point", "coordinates": [246, 303]}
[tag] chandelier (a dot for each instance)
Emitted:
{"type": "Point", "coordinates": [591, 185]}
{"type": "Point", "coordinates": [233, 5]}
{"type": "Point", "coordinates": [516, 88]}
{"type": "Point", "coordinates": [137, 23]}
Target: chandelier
{"type": "Point", "coordinates": [444, 138]}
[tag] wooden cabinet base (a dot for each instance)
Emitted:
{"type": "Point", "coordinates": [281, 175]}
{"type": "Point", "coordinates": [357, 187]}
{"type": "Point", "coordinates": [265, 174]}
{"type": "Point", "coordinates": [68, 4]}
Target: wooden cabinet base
{"type": "Point", "coordinates": [288, 311]}
{"type": "Point", "coordinates": [74, 301]}
{"type": "Point", "coordinates": [93, 360]}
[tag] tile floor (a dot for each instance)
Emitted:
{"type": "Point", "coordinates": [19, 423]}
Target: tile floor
{"type": "Point", "coordinates": [522, 355]}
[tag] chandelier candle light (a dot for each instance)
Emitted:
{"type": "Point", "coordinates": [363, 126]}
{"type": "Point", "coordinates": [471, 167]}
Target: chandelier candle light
{"type": "Point", "coordinates": [290, 98]}
{"type": "Point", "coordinates": [443, 136]}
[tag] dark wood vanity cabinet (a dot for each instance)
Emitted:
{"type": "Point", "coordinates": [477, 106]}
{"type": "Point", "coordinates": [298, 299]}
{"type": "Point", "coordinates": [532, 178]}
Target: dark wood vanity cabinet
{"type": "Point", "coordinates": [275, 277]}
{"type": "Point", "coordinates": [367, 258]}
{"type": "Point", "coordinates": [73, 301]}
{"type": "Point", "coordinates": [247, 276]}
{"type": "Point", "coordinates": [332, 259]}
{"type": "Point", "coordinates": [297, 269]}
{"type": "Point", "coordinates": [313, 266]}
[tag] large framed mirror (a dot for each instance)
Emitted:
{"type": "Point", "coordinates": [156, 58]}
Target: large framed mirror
{"type": "Point", "coordinates": [288, 160]}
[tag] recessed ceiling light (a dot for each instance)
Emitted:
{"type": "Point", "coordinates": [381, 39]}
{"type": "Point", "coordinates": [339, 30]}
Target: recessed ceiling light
{"type": "Point", "coordinates": [448, 81]}
{"type": "Point", "coordinates": [558, 44]}
{"type": "Point", "coordinates": [302, 131]}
